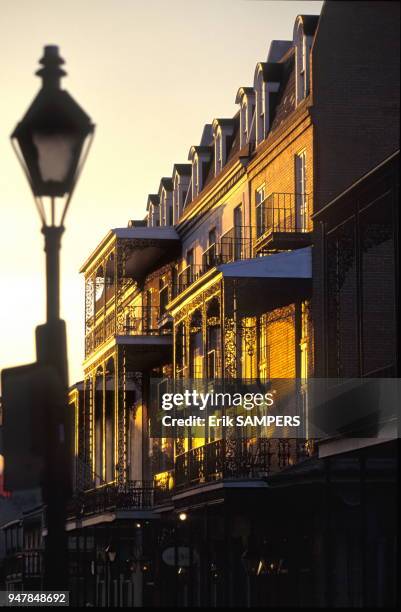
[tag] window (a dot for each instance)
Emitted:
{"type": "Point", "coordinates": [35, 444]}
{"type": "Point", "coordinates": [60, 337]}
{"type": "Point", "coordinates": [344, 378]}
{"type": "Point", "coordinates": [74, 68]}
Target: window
{"type": "Point", "coordinates": [244, 124]}
{"type": "Point", "coordinates": [190, 265]}
{"type": "Point", "coordinates": [260, 109]}
{"type": "Point", "coordinates": [260, 213]}
{"type": "Point", "coordinates": [195, 177]}
{"type": "Point", "coordinates": [238, 232]}
{"type": "Point", "coordinates": [301, 201]}
{"type": "Point", "coordinates": [302, 45]}
{"type": "Point", "coordinates": [210, 255]}
{"type": "Point", "coordinates": [218, 152]}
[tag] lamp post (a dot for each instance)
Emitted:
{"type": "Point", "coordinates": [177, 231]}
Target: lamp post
{"type": "Point", "coordinates": [110, 557]}
{"type": "Point", "coordinates": [52, 142]}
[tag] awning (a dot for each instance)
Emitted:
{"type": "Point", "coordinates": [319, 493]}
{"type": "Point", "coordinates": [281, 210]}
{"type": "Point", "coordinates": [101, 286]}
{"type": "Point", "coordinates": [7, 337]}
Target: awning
{"type": "Point", "coordinates": [269, 282]}
{"type": "Point", "coordinates": [291, 264]}
{"type": "Point", "coordinates": [145, 249]}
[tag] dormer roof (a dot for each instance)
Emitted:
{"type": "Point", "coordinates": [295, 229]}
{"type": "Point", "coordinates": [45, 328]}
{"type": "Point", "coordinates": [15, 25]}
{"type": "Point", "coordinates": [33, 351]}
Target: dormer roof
{"type": "Point", "coordinates": [309, 23]}
{"type": "Point", "coordinates": [182, 169]}
{"type": "Point", "coordinates": [201, 150]}
{"type": "Point", "coordinates": [228, 123]}
{"type": "Point", "coordinates": [278, 49]}
{"type": "Point", "coordinates": [244, 91]}
{"type": "Point", "coordinates": [153, 198]}
{"type": "Point", "coordinates": [167, 183]}
{"type": "Point", "coordinates": [272, 71]}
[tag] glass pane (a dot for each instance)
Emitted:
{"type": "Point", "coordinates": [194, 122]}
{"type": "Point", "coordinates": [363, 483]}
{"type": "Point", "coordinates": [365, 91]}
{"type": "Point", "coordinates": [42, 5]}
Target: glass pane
{"type": "Point", "coordinates": [55, 155]}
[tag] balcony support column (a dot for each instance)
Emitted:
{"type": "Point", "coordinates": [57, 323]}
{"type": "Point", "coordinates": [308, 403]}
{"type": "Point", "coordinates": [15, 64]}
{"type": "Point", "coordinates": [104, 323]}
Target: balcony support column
{"type": "Point", "coordinates": [230, 331]}
{"type": "Point", "coordinates": [120, 413]}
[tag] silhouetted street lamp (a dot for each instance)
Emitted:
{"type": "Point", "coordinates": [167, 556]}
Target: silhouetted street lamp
{"type": "Point", "coordinates": [52, 142]}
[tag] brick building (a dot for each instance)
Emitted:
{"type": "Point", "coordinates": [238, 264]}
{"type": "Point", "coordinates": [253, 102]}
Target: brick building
{"type": "Point", "coordinates": [234, 274]}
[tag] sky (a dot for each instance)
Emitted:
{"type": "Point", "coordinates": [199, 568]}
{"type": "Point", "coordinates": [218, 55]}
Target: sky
{"type": "Point", "coordinates": [150, 73]}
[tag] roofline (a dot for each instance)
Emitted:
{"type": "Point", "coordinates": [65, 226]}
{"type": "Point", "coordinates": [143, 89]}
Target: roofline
{"type": "Point", "coordinates": [110, 234]}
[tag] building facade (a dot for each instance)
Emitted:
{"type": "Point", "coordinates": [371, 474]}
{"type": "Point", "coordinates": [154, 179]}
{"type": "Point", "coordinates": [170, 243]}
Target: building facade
{"type": "Point", "coordinates": [215, 283]}
{"type": "Point", "coordinates": [269, 256]}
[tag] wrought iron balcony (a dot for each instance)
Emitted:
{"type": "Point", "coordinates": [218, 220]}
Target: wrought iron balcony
{"type": "Point", "coordinates": [33, 563]}
{"type": "Point", "coordinates": [127, 321]}
{"type": "Point", "coordinates": [283, 220]}
{"type": "Point", "coordinates": [131, 495]}
{"type": "Point", "coordinates": [238, 459]}
{"type": "Point", "coordinates": [235, 244]}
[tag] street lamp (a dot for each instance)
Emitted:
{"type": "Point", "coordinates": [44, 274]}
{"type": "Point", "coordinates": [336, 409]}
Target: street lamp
{"type": "Point", "coordinates": [52, 142]}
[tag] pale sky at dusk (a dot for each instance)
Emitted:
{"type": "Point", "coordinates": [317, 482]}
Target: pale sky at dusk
{"type": "Point", "coordinates": [150, 73]}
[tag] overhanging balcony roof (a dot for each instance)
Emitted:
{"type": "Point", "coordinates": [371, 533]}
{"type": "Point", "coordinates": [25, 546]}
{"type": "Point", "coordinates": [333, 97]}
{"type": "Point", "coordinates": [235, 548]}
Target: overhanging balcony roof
{"type": "Point", "coordinates": [261, 283]}
{"type": "Point", "coordinates": [150, 247]}
{"type": "Point", "coordinates": [291, 264]}
{"type": "Point", "coordinates": [268, 282]}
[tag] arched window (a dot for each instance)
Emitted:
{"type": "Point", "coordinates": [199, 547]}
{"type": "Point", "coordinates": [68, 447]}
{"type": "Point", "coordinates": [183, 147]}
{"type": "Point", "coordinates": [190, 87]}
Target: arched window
{"type": "Point", "coordinates": [246, 99]}
{"type": "Point", "coordinates": [195, 176]}
{"type": "Point", "coordinates": [218, 151]}
{"type": "Point", "coordinates": [261, 104]}
{"type": "Point", "coordinates": [302, 44]}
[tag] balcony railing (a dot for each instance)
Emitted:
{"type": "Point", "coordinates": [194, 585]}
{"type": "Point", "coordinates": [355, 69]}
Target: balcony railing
{"type": "Point", "coordinates": [130, 495]}
{"type": "Point", "coordinates": [235, 244]}
{"type": "Point", "coordinates": [284, 213]}
{"type": "Point", "coordinates": [130, 321]}
{"type": "Point", "coordinates": [238, 459]}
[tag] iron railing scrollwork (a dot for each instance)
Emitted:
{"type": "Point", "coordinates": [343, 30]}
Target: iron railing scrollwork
{"type": "Point", "coordinates": [129, 495]}
{"type": "Point", "coordinates": [239, 458]}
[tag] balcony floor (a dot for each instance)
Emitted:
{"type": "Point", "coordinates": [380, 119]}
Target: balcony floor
{"type": "Point", "coordinates": [272, 240]}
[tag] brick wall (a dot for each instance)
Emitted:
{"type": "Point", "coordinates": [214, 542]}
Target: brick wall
{"type": "Point", "coordinates": [276, 168]}
{"type": "Point", "coordinates": [355, 66]}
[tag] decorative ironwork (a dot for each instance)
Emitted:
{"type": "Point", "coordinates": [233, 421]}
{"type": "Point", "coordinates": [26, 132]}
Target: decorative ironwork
{"type": "Point", "coordinates": [230, 347]}
{"type": "Point", "coordinates": [234, 245]}
{"type": "Point", "coordinates": [239, 458]}
{"type": "Point", "coordinates": [130, 495]}
{"type": "Point", "coordinates": [248, 330]}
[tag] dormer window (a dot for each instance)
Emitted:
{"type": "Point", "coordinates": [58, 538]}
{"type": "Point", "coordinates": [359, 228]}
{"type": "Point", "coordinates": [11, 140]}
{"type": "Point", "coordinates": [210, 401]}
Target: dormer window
{"type": "Point", "coordinates": [166, 201]}
{"type": "Point", "coordinates": [195, 177]}
{"type": "Point", "coordinates": [153, 210]}
{"type": "Point", "coordinates": [246, 99]}
{"type": "Point", "coordinates": [303, 37]}
{"type": "Point", "coordinates": [244, 124]}
{"type": "Point", "coordinates": [181, 181]}
{"type": "Point", "coordinates": [176, 199]}
{"type": "Point", "coordinates": [218, 152]}
{"type": "Point", "coordinates": [200, 157]}
{"type": "Point", "coordinates": [267, 82]}
{"type": "Point", "coordinates": [223, 130]}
